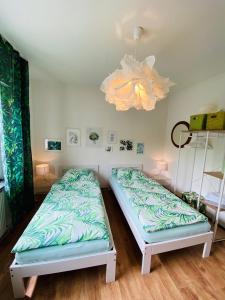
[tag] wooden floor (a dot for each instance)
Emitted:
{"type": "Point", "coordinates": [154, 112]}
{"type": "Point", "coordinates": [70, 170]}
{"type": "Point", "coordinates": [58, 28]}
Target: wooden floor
{"type": "Point", "coordinates": [180, 274]}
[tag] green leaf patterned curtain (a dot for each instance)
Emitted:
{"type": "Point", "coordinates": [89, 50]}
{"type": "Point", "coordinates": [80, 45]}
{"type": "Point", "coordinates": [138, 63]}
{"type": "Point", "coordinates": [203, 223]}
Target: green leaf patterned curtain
{"type": "Point", "coordinates": [15, 129]}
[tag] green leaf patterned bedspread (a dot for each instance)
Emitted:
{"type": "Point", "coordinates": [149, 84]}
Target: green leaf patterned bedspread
{"type": "Point", "coordinates": [71, 212]}
{"type": "Point", "coordinates": [156, 207]}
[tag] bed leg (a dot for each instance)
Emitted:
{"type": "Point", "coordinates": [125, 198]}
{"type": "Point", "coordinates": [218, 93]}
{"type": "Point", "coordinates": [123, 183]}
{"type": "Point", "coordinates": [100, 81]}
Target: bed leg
{"type": "Point", "coordinates": [17, 284]}
{"type": "Point", "coordinates": [207, 249]}
{"type": "Point", "coordinates": [111, 269]}
{"type": "Point", "coordinates": [146, 262]}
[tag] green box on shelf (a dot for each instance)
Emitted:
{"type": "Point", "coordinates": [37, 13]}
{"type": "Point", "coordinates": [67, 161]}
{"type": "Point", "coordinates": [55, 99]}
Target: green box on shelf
{"type": "Point", "coordinates": [198, 122]}
{"type": "Point", "coordinates": [216, 121]}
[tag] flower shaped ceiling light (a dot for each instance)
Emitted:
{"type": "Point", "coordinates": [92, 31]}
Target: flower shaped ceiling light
{"type": "Point", "coordinates": [136, 84]}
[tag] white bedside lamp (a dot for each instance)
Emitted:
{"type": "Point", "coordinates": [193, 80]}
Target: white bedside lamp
{"type": "Point", "coordinates": [42, 170]}
{"type": "Point", "coordinates": [161, 166]}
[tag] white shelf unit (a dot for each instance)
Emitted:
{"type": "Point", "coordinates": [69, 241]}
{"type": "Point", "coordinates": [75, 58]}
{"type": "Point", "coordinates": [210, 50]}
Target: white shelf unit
{"type": "Point", "coordinates": [220, 175]}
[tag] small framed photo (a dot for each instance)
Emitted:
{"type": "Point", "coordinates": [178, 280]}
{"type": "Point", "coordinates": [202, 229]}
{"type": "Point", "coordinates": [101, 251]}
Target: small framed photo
{"type": "Point", "coordinates": [73, 137]}
{"type": "Point", "coordinates": [53, 145]}
{"type": "Point", "coordinates": [140, 148]}
{"type": "Point", "coordinates": [108, 148]}
{"type": "Point", "coordinates": [112, 137]}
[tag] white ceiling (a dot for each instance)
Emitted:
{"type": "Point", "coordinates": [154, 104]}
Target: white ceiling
{"type": "Point", "coordinates": [83, 41]}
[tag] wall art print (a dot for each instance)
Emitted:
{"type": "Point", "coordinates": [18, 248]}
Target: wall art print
{"type": "Point", "coordinates": [112, 137]}
{"type": "Point", "coordinates": [73, 137]}
{"type": "Point", "coordinates": [126, 145]}
{"type": "Point", "coordinates": [140, 148]}
{"type": "Point", "coordinates": [94, 137]}
{"type": "Point", "coordinates": [53, 145]}
{"type": "Point", "coordinates": [108, 148]}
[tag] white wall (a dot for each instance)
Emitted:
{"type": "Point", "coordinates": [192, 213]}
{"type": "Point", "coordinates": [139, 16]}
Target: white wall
{"type": "Point", "coordinates": [56, 107]}
{"type": "Point", "coordinates": [181, 105]}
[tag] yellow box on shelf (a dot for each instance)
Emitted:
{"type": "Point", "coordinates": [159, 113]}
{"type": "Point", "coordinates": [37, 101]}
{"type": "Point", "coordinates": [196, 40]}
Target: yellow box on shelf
{"type": "Point", "coordinates": [198, 122]}
{"type": "Point", "coordinates": [216, 121]}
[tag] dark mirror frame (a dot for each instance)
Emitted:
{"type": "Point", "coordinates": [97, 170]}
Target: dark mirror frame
{"type": "Point", "coordinates": [188, 139]}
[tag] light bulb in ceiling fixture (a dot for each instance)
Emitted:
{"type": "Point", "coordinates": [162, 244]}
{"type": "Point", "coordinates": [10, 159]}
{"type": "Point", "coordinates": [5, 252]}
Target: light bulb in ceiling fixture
{"type": "Point", "coordinates": [139, 89]}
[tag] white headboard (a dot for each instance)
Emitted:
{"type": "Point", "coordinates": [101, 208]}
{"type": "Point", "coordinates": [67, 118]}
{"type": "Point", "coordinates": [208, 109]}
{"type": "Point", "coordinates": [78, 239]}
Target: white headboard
{"type": "Point", "coordinates": [134, 166]}
{"type": "Point", "coordinates": [94, 168]}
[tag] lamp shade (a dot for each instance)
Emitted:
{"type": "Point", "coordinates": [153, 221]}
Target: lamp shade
{"type": "Point", "coordinates": [42, 169]}
{"type": "Point", "coordinates": [162, 165]}
{"type": "Point", "coordinates": [136, 84]}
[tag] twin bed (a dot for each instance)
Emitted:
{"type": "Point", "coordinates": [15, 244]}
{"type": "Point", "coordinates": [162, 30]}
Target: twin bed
{"type": "Point", "coordinates": [159, 220]}
{"type": "Point", "coordinates": [71, 229]}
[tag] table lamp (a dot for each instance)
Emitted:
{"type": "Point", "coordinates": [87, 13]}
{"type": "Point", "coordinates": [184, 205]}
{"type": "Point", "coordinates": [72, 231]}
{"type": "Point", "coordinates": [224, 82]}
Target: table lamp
{"type": "Point", "coordinates": [161, 165]}
{"type": "Point", "coordinates": [42, 170]}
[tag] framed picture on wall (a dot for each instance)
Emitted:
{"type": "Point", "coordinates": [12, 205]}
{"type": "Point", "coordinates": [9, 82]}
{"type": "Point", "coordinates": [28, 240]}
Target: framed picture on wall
{"type": "Point", "coordinates": [108, 148]}
{"type": "Point", "coordinates": [53, 145]}
{"type": "Point", "coordinates": [112, 137]}
{"type": "Point", "coordinates": [140, 148]}
{"type": "Point", "coordinates": [126, 145]}
{"type": "Point", "coordinates": [73, 137]}
{"type": "Point", "coordinates": [94, 137]}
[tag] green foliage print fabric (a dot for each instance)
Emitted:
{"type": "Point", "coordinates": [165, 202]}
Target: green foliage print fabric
{"type": "Point", "coordinates": [157, 208]}
{"type": "Point", "coordinates": [71, 212]}
{"type": "Point", "coordinates": [192, 199]}
{"type": "Point", "coordinates": [15, 131]}
{"type": "Point", "coordinates": [73, 175]}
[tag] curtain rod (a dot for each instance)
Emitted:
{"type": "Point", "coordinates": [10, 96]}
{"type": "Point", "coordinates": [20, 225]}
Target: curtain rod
{"type": "Point", "coordinates": [4, 84]}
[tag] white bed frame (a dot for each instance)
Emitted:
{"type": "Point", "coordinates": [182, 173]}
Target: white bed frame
{"type": "Point", "coordinates": [19, 271]}
{"type": "Point", "coordinates": [148, 249]}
